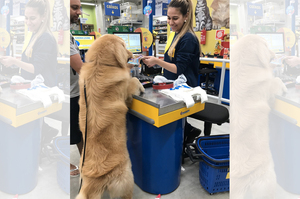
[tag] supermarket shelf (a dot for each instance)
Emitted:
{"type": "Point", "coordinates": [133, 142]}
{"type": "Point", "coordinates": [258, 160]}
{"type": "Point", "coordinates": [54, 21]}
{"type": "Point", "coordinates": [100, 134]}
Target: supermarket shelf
{"type": "Point", "coordinates": [161, 29]}
{"type": "Point", "coordinates": [159, 25]}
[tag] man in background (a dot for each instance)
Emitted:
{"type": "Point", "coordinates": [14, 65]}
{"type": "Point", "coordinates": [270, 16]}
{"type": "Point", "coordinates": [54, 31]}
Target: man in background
{"type": "Point", "coordinates": [76, 64]}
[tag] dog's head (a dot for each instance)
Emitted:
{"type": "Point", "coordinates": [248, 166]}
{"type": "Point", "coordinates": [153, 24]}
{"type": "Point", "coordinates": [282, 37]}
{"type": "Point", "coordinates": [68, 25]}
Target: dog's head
{"type": "Point", "coordinates": [251, 51]}
{"type": "Point", "coordinates": [109, 50]}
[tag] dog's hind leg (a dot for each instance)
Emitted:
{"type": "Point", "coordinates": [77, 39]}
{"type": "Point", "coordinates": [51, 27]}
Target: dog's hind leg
{"type": "Point", "coordinates": [91, 189]}
{"type": "Point", "coordinates": [122, 186]}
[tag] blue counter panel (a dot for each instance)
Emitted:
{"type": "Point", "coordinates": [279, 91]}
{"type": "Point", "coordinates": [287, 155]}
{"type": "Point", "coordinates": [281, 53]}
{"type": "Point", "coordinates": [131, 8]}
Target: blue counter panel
{"type": "Point", "coordinates": [155, 154]}
{"type": "Point", "coordinates": [285, 148]}
{"type": "Point", "coordinates": [19, 155]}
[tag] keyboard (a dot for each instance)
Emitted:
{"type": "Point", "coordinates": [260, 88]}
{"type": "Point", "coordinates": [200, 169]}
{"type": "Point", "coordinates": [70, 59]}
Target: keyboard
{"type": "Point", "coordinates": [4, 78]}
{"type": "Point", "coordinates": [146, 81]}
{"type": "Point", "coordinates": [144, 78]}
{"type": "Point", "coordinates": [289, 81]}
{"type": "Point", "coordinates": [287, 78]}
{"type": "Point", "coordinates": [4, 81]}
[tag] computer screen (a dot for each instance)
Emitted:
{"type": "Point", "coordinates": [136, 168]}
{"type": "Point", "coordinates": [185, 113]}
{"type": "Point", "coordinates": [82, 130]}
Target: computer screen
{"type": "Point", "coordinates": [84, 42]}
{"type": "Point", "coordinates": [233, 39]}
{"type": "Point", "coordinates": [133, 41]}
{"type": "Point", "coordinates": [275, 41]}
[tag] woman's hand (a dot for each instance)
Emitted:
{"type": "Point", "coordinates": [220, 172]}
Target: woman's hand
{"type": "Point", "coordinates": [292, 61]}
{"type": "Point", "coordinates": [150, 60]}
{"type": "Point", "coordinates": [8, 61]}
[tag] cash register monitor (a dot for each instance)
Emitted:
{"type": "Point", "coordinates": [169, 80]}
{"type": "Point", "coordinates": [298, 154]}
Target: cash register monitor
{"type": "Point", "coordinates": [275, 41]}
{"type": "Point", "coordinates": [133, 41]}
{"type": "Point", "coordinates": [84, 42]}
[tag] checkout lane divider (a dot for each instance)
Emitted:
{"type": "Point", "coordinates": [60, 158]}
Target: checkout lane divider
{"type": "Point", "coordinates": [224, 62]}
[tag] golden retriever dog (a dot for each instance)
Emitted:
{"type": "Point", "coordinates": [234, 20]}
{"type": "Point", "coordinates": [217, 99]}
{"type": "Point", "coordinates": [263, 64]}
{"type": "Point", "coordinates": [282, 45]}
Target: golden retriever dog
{"type": "Point", "coordinates": [109, 91]}
{"type": "Point", "coordinates": [253, 89]}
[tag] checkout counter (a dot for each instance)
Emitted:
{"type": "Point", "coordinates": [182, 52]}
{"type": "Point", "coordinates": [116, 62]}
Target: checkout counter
{"type": "Point", "coordinates": [155, 124]}
{"type": "Point", "coordinates": [20, 124]}
{"type": "Point", "coordinates": [284, 139]}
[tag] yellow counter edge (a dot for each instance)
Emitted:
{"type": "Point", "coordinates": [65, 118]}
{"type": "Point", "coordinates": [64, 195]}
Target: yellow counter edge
{"type": "Point", "coordinates": [179, 114]}
{"type": "Point", "coordinates": [19, 120]}
{"type": "Point", "coordinates": [288, 110]}
{"type": "Point", "coordinates": [161, 120]}
{"type": "Point", "coordinates": [218, 64]}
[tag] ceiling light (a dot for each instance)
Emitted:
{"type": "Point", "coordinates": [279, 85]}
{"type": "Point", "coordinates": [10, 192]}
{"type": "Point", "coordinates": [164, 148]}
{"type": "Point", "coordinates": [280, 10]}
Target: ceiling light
{"type": "Point", "coordinates": [88, 4]}
{"type": "Point", "coordinates": [256, 1]}
{"type": "Point", "coordinates": [113, 1]}
{"type": "Point", "coordinates": [83, 13]}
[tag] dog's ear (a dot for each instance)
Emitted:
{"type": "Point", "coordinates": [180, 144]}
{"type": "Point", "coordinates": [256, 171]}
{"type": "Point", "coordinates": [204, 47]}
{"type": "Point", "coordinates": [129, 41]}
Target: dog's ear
{"type": "Point", "coordinates": [122, 54]}
{"type": "Point", "coordinates": [264, 54]}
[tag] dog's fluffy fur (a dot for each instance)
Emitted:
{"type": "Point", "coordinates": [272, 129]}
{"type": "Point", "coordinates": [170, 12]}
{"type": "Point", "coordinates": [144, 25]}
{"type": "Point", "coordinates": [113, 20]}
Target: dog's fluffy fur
{"type": "Point", "coordinates": [109, 90]}
{"type": "Point", "coordinates": [253, 88]}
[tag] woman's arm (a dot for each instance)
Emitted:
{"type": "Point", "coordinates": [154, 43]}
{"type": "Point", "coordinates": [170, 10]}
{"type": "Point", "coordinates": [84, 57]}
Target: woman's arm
{"type": "Point", "coordinates": [150, 61]}
{"type": "Point", "coordinates": [8, 61]}
{"type": "Point", "coordinates": [25, 66]}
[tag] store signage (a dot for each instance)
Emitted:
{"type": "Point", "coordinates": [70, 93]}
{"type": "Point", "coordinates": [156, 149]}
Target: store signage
{"type": "Point", "coordinates": [18, 9]}
{"type": "Point", "coordinates": [147, 38]}
{"type": "Point", "coordinates": [84, 41]}
{"type": "Point", "coordinates": [5, 10]}
{"type": "Point", "coordinates": [83, 20]}
{"type": "Point", "coordinates": [255, 9]}
{"type": "Point", "coordinates": [161, 9]}
{"type": "Point", "coordinates": [112, 9]}
{"type": "Point", "coordinates": [291, 8]}
{"type": "Point", "coordinates": [60, 38]}
{"type": "Point", "coordinates": [220, 34]}
{"type": "Point", "coordinates": [164, 9]}
{"type": "Point", "coordinates": [4, 38]}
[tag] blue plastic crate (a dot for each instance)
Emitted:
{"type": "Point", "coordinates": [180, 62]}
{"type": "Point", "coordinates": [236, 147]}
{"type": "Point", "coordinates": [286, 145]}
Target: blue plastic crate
{"type": "Point", "coordinates": [214, 167]}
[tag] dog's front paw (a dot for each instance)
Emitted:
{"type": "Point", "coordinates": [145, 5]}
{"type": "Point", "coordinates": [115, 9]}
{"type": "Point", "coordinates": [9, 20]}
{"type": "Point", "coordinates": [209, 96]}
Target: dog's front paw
{"type": "Point", "coordinates": [281, 88]}
{"type": "Point", "coordinates": [141, 88]}
{"type": "Point", "coordinates": [137, 86]}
